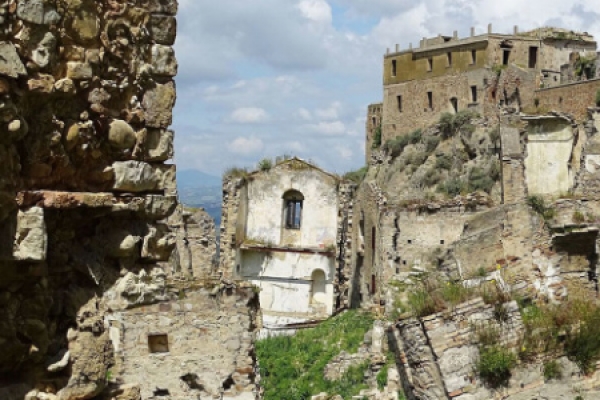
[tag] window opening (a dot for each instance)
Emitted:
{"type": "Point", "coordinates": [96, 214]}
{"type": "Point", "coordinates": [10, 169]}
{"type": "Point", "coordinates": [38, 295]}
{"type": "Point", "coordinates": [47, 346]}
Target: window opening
{"type": "Point", "coordinates": [430, 100]}
{"type": "Point", "coordinates": [373, 287]}
{"type": "Point", "coordinates": [399, 100]}
{"type": "Point", "coordinates": [374, 121]}
{"type": "Point", "coordinates": [505, 56]}
{"type": "Point", "coordinates": [533, 54]}
{"type": "Point", "coordinates": [454, 102]}
{"type": "Point", "coordinates": [429, 64]}
{"type": "Point", "coordinates": [473, 56]}
{"type": "Point", "coordinates": [474, 94]}
{"type": "Point", "coordinates": [293, 202]}
{"type": "Point", "coordinates": [158, 343]}
{"type": "Point", "coordinates": [449, 57]}
{"type": "Point", "coordinates": [394, 68]}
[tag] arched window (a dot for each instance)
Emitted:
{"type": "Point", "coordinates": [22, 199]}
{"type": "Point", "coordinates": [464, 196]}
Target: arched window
{"type": "Point", "coordinates": [292, 214]}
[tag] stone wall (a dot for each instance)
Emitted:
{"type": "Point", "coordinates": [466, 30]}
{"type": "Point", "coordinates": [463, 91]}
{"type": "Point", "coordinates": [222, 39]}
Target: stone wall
{"type": "Point", "coordinates": [200, 344]}
{"type": "Point", "coordinates": [87, 95]}
{"type": "Point", "coordinates": [573, 98]}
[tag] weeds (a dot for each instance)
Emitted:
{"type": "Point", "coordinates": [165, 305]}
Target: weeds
{"type": "Point", "coordinates": [357, 176]}
{"type": "Point", "coordinates": [265, 164]}
{"type": "Point", "coordinates": [377, 138]}
{"type": "Point", "coordinates": [495, 365]}
{"type": "Point", "coordinates": [578, 217]}
{"type": "Point", "coordinates": [552, 370]}
{"type": "Point", "coordinates": [538, 204]}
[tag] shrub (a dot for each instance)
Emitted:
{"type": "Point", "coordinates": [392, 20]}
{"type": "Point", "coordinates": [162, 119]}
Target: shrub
{"type": "Point", "coordinates": [538, 204]}
{"type": "Point", "coordinates": [582, 345]}
{"type": "Point", "coordinates": [479, 180]}
{"type": "Point", "coordinates": [431, 143]}
{"type": "Point", "coordinates": [431, 177]}
{"type": "Point", "coordinates": [357, 176]}
{"type": "Point", "coordinates": [235, 172]}
{"type": "Point", "coordinates": [452, 187]}
{"type": "Point", "coordinates": [455, 293]}
{"type": "Point", "coordinates": [395, 147]}
{"type": "Point", "coordinates": [495, 364]}
{"type": "Point", "coordinates": [377, 138]}
{"type": "Point", "coordinates": [494, 171]}
{"type": "Point", "coordinates": [265, 164]}
{"type": "Point", "coordinates": [443, 161]}
{"type": "Point", "coordinates": [552, 370]}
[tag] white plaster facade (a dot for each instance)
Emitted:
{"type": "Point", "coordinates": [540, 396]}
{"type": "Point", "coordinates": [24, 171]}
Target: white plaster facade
{"type": "Point", "coordinates": [549, 147]}
{"type": "Point", "coordinates": [294, 267]}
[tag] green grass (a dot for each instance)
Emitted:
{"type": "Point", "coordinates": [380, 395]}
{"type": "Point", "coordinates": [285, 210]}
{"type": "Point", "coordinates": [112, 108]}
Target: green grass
{"type": "Point", "coordinates": [291, 367]}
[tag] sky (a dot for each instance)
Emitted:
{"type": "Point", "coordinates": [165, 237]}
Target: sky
{"type": "Point", "coordinates": [264, 78]}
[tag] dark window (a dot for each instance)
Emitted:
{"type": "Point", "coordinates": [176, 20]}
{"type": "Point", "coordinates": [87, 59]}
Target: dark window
{"type": "Point", "coordinates": [293, 202]}
{"type": "Point", "coordinates": [374, 121]}
{"type": "Point", "coordinates": [473, 56]}
{"type": "Point", "coordinates": [454, 102]}
{"type": "Point", "coordinates": [505, 56]}
{"type": "Point", "coordinates": [158, 343]}
{"type": "Point", "coordinates": [533, 54]}
{"type": "Point", "coordinates": [429, 64]}
{"type": "Point", "coordinates": [394, 68]}
{"type": "Point", "coordinates": [373, 286]}
{"type": "Point", "coordinates": [399, 99]}
{"type": "Point", "coordinates": [373, 237]}
{"type": "Point", "coordinates": [474, 94]}
{"type": "Point", "coordinates": [430, 100]}
{"type": "Point", "coordinates": [409, 241]}
{"type": "Point", "coordinates": [449, 56]}
{"type": "Point", "coordinates": [442, 241]}
{"type": "Point", "coordinates": [397, 270]}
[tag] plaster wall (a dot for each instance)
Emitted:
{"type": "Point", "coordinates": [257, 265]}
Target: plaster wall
{"type": "Point", "coordinates": [265, 205]}
{"type": "Point", "coordinates": [549, 147]}
{"type": "Point", "coordinates": [285, 280]}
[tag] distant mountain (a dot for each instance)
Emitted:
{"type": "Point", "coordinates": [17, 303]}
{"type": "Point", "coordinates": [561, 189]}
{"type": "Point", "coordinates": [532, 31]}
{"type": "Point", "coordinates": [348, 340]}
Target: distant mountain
{"type": "Point", "coordinates": [192, 178]}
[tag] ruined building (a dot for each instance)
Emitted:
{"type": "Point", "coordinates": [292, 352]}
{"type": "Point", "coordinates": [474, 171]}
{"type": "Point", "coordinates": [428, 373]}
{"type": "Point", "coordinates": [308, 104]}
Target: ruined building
{"type": "Point", "coordinates": [449, 74]}
{"type": "Point", "coordinates": [283, 230]}
{"type": "Point", "coordinates": [95, 302]}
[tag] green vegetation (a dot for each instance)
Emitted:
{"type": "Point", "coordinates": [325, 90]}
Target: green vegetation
{"type": "Point", "coordinates": [396, 146]}
{"type": "Point", "coordinates": [582, 344]}
{"type": "Point", "coordinates": [382, 377]}
{"type": "Point", "coordinates": [265, 164]}
{"type": "Point", "coordinates": [498, 68]}
{"type": "Point", "coordinates": [495, 364]}
{"type": "Point", "coordinates": [357, 176]}
{"type": "Point", "coordinates": [552, 370]}
{"type": "Point", "coordinates": [578, 217]}
{"type": "Point", "coordinates": [377, 138]}
{"type": "Point", "coordinates": [586, 66]}
{"type": "Point", "coordinates": [451, 124]}
{"type": "Point", "coordinates": [538, 204]}
{"type": "Point", "coordinates": [291, 368]}
{"type": "Point", "coordinates": [235, 172]}
{"type": "Point", "coordinates": [443, 161]}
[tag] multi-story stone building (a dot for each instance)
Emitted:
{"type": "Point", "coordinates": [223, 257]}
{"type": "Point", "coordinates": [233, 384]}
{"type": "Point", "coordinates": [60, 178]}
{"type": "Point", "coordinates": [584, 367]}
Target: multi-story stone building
{"type": "Point", "coordinates": [479, 73]}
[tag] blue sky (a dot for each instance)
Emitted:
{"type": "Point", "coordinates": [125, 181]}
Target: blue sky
{"type": "Point", "coordinates": [261, 78]}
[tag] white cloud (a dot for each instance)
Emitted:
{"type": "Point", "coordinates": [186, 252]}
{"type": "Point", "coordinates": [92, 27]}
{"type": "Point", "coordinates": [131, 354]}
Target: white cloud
{"type": "Point", "coordinates": [329, 128]}
{"type": "Point", "coordinates": [304, 114]}
{"type": "Point", "coordinates": [316, 10]}
{"type": "Point", "coordinates": [344, 152]}
{"type": "Point", "coordinates": [331, 112]}
{"type": "Point", "coordinates": [249, 115]}
{"type": "Point", "coordinates": [246, 146]}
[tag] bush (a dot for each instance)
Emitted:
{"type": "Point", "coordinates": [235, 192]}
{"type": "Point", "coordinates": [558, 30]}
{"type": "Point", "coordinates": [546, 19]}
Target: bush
{"type": "Point", "coordinates": [431, 177]}
{"type": "Point", "coordinates": [357, 176]}
{"type": "Point", "coordinates": [394, 147]}
{"type": "Point", "coordinates": [431, 143]}
{"type": "Point", "coordinates": [495, 365]}
{"type": "Point", "coordinates": [582, 344]}
{"type": "Point", "coordinates": [377, 138]}
{"type": "Point", "coordinates": [479, 180]}
{"type": "Point", "coordinates": [265, 164]}
{"type": "Point", "coordinates": [443, 161]}
{"type": "Point", "coordinates": [382, 377]}
{"type": "Point", "coordinates": [452, 187]}
{"type": "Point", "coordinates": [538, 204]}
{"type": "Point", "coordinates": [235, 172]}
{"type": "Point", "coordinates": [451, 124]}
{"type": "Point", "coordinates": [552, 370]}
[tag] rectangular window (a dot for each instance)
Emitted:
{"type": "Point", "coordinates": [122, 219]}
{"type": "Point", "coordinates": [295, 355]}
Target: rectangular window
{"type": "Point", "coordinates": [505, 56]}
{"type": "Point", "coordinates": [394, 68]}
{"type": "Point", "coordinates": [430, 100]}
{"type": "Point", "coordinates": [374, 121]}
{"type": "Point", "coordinates": [399, 102]}
{"type": "Point", "coordinates": [474, 94]}
{"type": "Point", "coordinates": [158, 343]}
{"type": "Point", "coordinates": [449, 57]}
{"type": "Point", "coordinates": [533, 54]}
{"type": "Point", "coordinates": [473, 56]}
{"type": "Point", "coordinates": [429, 64]}
{"type": "Point", "coordinates": [293, 214]}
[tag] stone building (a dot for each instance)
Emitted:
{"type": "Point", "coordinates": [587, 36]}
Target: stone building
{"type": "Point", "coordinates": [480, 72]}
{"type": "Point", "coordinates": [283, 231]}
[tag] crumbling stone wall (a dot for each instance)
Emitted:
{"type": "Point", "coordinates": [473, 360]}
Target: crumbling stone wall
{"type": "Point", "coordinates": [86, 195]}
{"type": "Point", "coordinates": [571, 98]}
